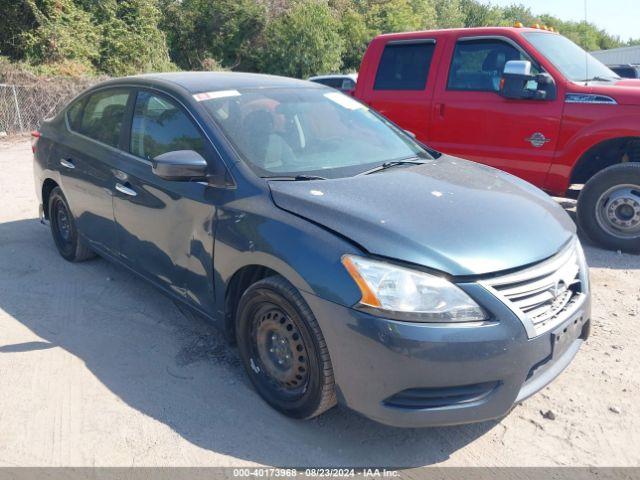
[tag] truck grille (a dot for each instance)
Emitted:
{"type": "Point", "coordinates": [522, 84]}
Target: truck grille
{"type": "Point", "coordinates": [544, 295]}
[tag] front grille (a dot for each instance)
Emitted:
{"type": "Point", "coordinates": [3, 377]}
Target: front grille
{"type": "Point", "coordinates": [544, 295]}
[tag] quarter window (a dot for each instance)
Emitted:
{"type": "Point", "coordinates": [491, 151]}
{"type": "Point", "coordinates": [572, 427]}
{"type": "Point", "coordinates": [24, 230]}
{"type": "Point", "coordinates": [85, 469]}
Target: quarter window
{"type": "Point", "coordinates": [103, 116]}
{"type": "Point", "coordinates": [74, 114]}
{"type": "Point", "coordinates": [404, 66]}
{"type": "Point", "coordinates": [160, 126]}
{"type": "Point", "coordinates": [478, 65]}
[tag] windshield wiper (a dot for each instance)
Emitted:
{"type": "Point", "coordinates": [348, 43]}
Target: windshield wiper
{"type": "Point", "coordinates": [394, 163]}
{"type": "Point", "coordinates": [295, 178]}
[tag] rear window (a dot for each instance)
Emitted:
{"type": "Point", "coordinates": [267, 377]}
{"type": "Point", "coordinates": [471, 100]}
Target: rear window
{"type": "Point", "coordinates": [625, 72]}
{"type": "Point", "coordinates": [348, 84]}
{"type": "Point", "coordinates": [330, 82]}
{"type": "Point", "coordinates": [404, 66]}
{"type": "Point", "coordinates": [74, 114]}
{"type": "Point", "coordinates": [103, 116]}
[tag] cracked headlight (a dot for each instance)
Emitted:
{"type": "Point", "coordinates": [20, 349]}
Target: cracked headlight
{"type": "Point", "coordinates": [406, 294]}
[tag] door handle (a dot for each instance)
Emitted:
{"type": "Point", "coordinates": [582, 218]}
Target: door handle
{"type": "Point", "coordinates": [67, 164]}
{"type": "Point", "coordinates": [440, 109]}
{"type": "Point", "coordinates": [126, 190]}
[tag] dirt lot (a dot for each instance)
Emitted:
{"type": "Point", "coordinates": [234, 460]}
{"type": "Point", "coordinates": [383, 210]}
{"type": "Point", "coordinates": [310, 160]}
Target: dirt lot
{"type": "Point", "coordinates": [98, 368]}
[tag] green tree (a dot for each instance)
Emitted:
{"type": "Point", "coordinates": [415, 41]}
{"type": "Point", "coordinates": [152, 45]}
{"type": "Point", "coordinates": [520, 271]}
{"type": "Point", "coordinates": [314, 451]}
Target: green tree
{"type": "Point", "coordinates": [477, 14]}
{"type": "Point", "coordinates": [17, 18]}
{"type": "Point", "coordinates": [63, 31]}
{"type": "Point", "coordinates": [425, 14]}
{"type": "Point", "coordinates": [130, 39]}
{"type": "Point", "coordinates": [227, 31]}
{"type": "Point", "coordinates": [354, 32]}
{"type": "Point", "coordinates": [519, 13]}
{"type": "Point", "coordinates": [388, 16]}
{"type": "Point", "coordinates": [303, 41]}
{"type": "Point", "coordinates": [449, 14]}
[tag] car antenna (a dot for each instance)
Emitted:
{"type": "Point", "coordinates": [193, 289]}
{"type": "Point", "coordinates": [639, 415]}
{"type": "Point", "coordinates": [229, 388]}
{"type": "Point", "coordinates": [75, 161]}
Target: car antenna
{"type": "Point", "coordinates": [586, 57]}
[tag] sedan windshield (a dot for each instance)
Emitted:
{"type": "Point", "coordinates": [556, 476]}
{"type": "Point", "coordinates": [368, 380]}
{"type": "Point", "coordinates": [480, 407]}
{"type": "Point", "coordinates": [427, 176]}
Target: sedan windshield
{"type": "Point", "coordinates": [298, 132]}
{"type": "Point", "coordinates": [572, 61]}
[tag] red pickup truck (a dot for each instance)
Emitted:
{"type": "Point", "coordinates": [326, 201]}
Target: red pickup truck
{"type": "Point", "coordinates": [525, 100]}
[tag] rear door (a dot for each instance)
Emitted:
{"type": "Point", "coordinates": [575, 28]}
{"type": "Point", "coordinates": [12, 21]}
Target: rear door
{"type": "Point", "coordinates": [165, 229]}
{"type": "Point", "coordinates": [86, 159]}
{"type": "Point", "coordinates": [401, 88]}
{"type": "Point", "coordinates": [472, 120]}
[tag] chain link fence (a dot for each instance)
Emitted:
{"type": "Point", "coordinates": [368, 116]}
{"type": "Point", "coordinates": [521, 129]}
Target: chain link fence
{"type": "Point", "coordinates": [23, 107]}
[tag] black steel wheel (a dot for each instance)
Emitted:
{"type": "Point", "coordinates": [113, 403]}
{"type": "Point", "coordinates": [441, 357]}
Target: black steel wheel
{"type": "Point", "coordinates": [283, 350]}
{"type": "Point", "coordinates": [64, 231]}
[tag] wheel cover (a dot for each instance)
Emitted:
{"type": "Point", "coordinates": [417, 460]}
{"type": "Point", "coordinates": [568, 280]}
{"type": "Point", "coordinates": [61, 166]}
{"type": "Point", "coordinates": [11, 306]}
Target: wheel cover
{"type": "Point", "coordinates": [280, 350]}
{"type": "Point", "coordinates": [63, 225]}
{"type": "Point", "coordinates": [618, 211]}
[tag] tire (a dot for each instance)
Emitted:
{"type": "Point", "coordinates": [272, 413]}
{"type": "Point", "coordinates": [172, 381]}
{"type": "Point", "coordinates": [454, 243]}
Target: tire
{"type": "Point", "coordinates": [609, 208]}
{"type": "Point", "coordinates": [63, 229]}
{"type": "Point", "coordinates": [273, 321]}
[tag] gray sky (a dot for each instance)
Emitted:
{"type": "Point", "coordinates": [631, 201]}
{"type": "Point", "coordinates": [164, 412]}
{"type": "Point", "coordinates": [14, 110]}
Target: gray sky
{"type": "Point", "coordinates": [618, 17]}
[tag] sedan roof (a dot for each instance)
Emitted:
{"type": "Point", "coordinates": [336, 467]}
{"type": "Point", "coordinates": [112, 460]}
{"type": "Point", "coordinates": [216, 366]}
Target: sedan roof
{"type": "Point", "coordinates": [196, 82]}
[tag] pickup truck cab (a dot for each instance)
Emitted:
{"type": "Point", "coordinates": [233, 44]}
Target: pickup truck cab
{"type": "Point", "coordinates": [525, 100]}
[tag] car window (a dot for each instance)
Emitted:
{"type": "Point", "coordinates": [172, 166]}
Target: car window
{"type": "Point", "coordinates": [572, 61]}
{"type": "Point", "coordinates": [348, 84]}
{"type": "Point", "coordinates": [478, 65]}
{"type": "Point", "coordinates": [74, 113]}
{"type": "Point", "coordinates": [404, 66]}
{"type": "Point", "coordinates": [103, 116]}
{"type": "Point", "coordinates": [160, 126]}
{"type": "Point", "coordinates": [330, 82]}
{"type": "Point", "coordinates": [625, 72]}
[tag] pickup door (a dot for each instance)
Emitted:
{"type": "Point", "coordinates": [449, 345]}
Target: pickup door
{"type": "Point", "coordinates": [399, 83]}
{"type": "Point", "coordinates": [471, 120]}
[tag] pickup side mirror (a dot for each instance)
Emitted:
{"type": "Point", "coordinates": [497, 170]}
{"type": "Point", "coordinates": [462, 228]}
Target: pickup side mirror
{"type": "Point", "coordinates": [180, 166]}
{"type": "Point", "coordinates": [518, 83]}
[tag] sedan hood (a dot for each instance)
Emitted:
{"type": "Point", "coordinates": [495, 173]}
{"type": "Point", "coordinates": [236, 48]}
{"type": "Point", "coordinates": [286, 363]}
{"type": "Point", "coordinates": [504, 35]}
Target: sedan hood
{"type": "Point", "coordinates": [448, 214]}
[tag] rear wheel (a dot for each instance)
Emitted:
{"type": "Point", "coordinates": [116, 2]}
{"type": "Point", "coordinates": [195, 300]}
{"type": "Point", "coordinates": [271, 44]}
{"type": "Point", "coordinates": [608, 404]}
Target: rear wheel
{"type": "Point", "coordinates": [609, 207]}
{"type": "Point", "coordinates": [283, 350]}
{"type": "Point", "coordinates": [63, 229]}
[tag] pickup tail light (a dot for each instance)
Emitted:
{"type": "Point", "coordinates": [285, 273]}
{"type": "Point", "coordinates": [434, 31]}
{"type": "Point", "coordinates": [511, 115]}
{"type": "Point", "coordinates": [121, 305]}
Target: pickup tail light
{"type": "Point", "coordinates": [35, 135]}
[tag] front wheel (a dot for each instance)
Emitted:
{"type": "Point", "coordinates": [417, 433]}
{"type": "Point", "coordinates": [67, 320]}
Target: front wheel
{"type": "Point", "coordinates": [609, 207]}
{"type": "Point", "coordinates": [283, 349]}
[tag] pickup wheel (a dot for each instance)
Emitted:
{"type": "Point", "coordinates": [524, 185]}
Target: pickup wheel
{"type": "Point", "coordinates": [609, 207]}
{"type": "Point", "coordinates": [63, 229]}
{"type": "Point", "coordinates": [283, 350]}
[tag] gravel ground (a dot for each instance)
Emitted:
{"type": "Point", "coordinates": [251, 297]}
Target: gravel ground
{"type": "Point", "coordinates": [97, 368]}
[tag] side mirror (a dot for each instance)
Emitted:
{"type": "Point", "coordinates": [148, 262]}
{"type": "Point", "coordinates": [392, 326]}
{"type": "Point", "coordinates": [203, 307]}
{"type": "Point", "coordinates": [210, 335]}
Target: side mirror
{"type": "Point", "coordinates": [180, 166]}
{"type": "Point", "coordinates": [518, 83]}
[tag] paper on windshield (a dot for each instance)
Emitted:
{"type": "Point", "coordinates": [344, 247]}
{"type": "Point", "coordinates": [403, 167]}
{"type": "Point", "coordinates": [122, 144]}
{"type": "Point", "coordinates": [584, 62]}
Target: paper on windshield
{"type": "Point", "coordinates": [200, 97]}
{"type": "Point", "coordinates": [344, 101]}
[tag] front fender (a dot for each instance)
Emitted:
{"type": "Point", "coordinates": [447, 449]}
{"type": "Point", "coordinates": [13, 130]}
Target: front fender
{"type": "Point", "coordinates": [586, 126]}
{"type": "Point", "coordinates": [307, 255]}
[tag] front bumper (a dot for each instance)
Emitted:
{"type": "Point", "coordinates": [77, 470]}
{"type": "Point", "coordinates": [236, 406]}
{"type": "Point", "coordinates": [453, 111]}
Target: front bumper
{"type": "Point", "coordinates": [418, 374]}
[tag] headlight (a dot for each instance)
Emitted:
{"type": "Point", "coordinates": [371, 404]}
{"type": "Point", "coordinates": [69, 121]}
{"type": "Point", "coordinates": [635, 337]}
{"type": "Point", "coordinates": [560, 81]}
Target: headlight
{"type": "Point", "coordinates": [410, 294]}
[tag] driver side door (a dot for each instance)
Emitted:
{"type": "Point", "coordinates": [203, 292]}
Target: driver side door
{"type": "Point", "coordinates": [165, 229]}
{"type": "Point", "coordinates": [471, 120]}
